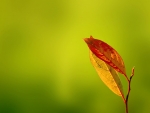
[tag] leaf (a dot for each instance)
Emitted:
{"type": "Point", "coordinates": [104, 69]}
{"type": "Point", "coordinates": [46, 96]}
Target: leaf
{"type": "Point", "coordinates": [106, 53]}
{"type": "Point", "coordinates": [107, 74]}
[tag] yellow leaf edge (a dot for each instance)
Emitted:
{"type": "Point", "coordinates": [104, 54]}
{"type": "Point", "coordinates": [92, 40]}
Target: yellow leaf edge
{"type": "Point", "coordinates": [107, 74]}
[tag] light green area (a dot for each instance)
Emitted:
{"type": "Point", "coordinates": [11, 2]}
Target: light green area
{"type": "Point", "coordinates": [44, 62]}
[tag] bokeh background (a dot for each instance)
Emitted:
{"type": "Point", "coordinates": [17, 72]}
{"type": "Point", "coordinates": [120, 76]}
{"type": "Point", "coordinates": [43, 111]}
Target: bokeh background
{"type": "Point", "coordinates": [44, 62]}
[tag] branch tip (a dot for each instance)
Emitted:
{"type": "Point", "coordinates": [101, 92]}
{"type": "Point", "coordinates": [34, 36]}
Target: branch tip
{"type": "Point", "coordinates": [132, 74]}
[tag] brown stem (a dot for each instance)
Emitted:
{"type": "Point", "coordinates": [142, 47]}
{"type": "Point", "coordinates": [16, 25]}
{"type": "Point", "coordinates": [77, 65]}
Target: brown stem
{"type": "Point", "coordinates": [129, 89]}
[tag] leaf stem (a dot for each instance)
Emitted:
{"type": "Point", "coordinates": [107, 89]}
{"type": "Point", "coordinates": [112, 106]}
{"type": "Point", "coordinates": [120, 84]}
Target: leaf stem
{"type": "Point", "coordinates": [129, 89]}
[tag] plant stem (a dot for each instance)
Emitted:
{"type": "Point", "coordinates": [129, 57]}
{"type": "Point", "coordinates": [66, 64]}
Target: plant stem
{"type": "Point", "coordinates": [129, 89]}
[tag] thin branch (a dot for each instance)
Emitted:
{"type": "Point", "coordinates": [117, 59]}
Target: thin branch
{"type": "Point", "coordinates": [129, 89]}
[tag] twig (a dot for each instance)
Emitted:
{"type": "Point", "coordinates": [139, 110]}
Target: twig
{"type": "Point", "coordinates": [129, 88]}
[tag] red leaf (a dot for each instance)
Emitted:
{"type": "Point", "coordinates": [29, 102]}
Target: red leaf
{"type": "Point", "coordinates": [106, 53]}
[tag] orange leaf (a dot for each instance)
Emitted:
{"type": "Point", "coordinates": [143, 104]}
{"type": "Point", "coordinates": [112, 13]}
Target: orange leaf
{"type": "Point", "coordinates": [106, 53]}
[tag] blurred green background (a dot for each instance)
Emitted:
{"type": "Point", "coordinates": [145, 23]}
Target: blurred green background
{"type": "Point", "coordinates": [44, 62]}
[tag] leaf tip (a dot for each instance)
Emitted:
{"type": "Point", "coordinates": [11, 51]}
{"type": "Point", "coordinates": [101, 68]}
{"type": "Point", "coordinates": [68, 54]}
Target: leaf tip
{"type": "Point", "coordinates": [91, 37]}
{"type": "Point", "coordinates": [88, 40]}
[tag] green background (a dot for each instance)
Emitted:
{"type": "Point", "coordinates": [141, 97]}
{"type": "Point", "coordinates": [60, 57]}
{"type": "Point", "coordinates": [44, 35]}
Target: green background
{"type": "Point", "coordinates": [44, 62]}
